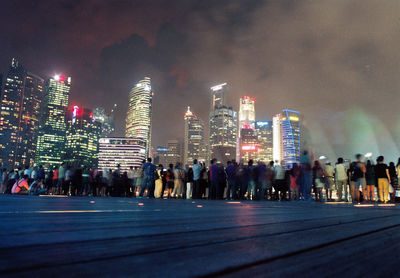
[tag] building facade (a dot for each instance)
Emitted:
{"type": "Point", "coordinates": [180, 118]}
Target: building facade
{"type": "Point", "coordinates": [291, 137]}
{"type": "Point", "coordinates": [138, 120]}
{"type": "Point", "coordinates": [106, 120]}
{"type": "Point", "coordinates": [264, 137]}
{"type": "Point", "coordinates": [223, 133]}
{"type": "Point", "coordinates": [82, 138]}
{"type": "Point", "coordinates": [19, 116]}
{"type": "Point", "coordinates": [193, 138]}
{"type": "Point", "coordinates": [276, 138]}
{"type": "Point", "coordinates": [125, 152]}
{"type": "Point", "coordinates": [218, 95]}
{"type": "Point", "coordinates": [174, 152]}
{"type": "Point", "coordinates": [50, 149]}
{"type": "Point", "coordinates": [249, 145]}
{"type": "Point", "coordinates": [247, 112]}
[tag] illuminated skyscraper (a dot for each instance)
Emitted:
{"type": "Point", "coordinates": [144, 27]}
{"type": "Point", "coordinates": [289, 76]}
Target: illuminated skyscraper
{"type": "Point", "coordinates": [174, 152]}
{"type": "Point", "coordinates": [276, 138]}
{"type": "Point", "coordinates": [138, 120]}
{"type": "Point", "coordinates": [264, 138]}
{"type": "Point", "coordinates": [291, 137]}
{"type": "Point", "coordinates": [126, 152]}
{"type": "Point", "coordinates": [223, 133]}
{"type": "Point", "coordinates": [20, 106]}
{"type": "Point", "coordinates": [82, 138]}
{"type": "Point", "coordinates": [218, 95]}
{"type": "Point", "coordinates": [194, 138]}
{"type": "Point", "coordinates": [247, 113]}
{"type": "Point", "coordinates": [106, 120]}
{"type": "Point", "coordinates": [249, 145]}
{"type": "Point", "coordinates": [51, 140]}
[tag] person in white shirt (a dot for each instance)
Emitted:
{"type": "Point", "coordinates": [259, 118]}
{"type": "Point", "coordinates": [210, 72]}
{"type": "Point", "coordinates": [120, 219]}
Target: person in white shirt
{"type": "Point", "coordinates": [341, 179]}
{"type": "Point", "coordinates": [330, 184]}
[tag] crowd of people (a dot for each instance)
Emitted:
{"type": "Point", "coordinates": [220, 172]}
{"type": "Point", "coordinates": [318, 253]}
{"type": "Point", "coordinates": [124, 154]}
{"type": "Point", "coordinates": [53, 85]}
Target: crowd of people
{"type": "Point", "coordinates": [357, 181]}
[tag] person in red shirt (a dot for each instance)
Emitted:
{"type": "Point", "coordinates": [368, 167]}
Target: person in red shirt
{"type": "Point", "coordinates": [21, 186]}
{"type": "Point", "coordinates": [55, 181]}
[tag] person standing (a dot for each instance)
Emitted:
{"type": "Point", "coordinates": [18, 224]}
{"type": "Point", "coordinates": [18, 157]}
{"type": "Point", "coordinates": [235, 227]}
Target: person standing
{"type": "Point", "coordinates": [371, 181]}
{"type": "Point", "coordinates": [148, 179]}
{"type": "Point", "coordinates": [214, 179]}
{"type": "Point", "coordinates": [251, 189]}
{"type": "Point", "coordinates": [329, 181]}
{"type": "Point", "coordinates": [294, 182]}
{"type": "Point", "coordinates": [231, 176]}
{"type": "Point", "coordinates": [189, 183]}
{"type": "Point", "coordinates": [196, 179]}
{"type": "Point", "coordinates": [341, 180]}
{"type": "Point", "coordinates": [131, 181]}
{"type": "Point", "coordinates": [169, 176]}
{"type": "Point", "coordinates": [85, 181]}
{"type": "Point", "coordinates": [383, 177]}
{"type": "Point", "coordinates": [279, 173]}
{"type": "Point", "coordinates": [319, 176]}
{"type": "Point", "coordinates": [262, 180]}
{"type": "Point", "coordinates": [394, 181]}
{"type": "Point", "coordinates": [358, 171]}
{"type": "Point", "coordinates": [179, 177]}
{"type": "Point", "coordinates": [61, 178]}
{"type": "Point", "coordinates": [158, 182]}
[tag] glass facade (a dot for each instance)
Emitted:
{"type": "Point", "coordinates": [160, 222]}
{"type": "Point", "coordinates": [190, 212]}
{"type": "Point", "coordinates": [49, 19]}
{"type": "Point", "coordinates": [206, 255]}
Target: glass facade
{"type": "Point", "coordinates": [194, 138]}
{"type": "Point", "coordinates": [174, 152]}
{"type": "Point", "coordinates": [247, 113]}
{"type": "Point", "coordinates": [106, 120]}
{"type": "Point", "coordinates": [218, 95]}
{"type": "Point", "coordinates": [138, 120]}
{"type": "Point", "coordinates": [20, 108]}
{"type": "Point", "coordinates": [50, 150]}
{"type": "Point", "coordinates": [126, 152]}
{"type": "Point", "coordinates": [82, 138]}
{"type": "Point", "coordinates": [264, 138]}
{"type": "Point", "coordinates": [291, 137]}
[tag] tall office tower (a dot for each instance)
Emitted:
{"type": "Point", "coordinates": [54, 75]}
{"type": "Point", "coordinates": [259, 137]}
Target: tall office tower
{"type": "Point", "coordinates": [276, 138]}
{"type": "Point", "coordinates": [174, 152]}
{"type": "Point", "coordinates": [247, 113]}
{"type": "Point", "coordinates": [138, 120]}
{"type": "Point", "coordinates": [161, 155]}
{"type": "Point", "coordinates": [106, 120]}
{"type": "Point", "coordinates": [50, 149]}
{"type": "Point", "coordinates": [20, 106]}
{"type": "Point", "coordinates": [291, 137]}
{"type": "Point", "coordinates": [223, 133]}
{"type": "Point", "coordinates": [126, 152]}
{"type": "Point", "coordinates": [218, 95]}
{"type": "Point", "coordinates": [264, 138]}
{"type": "Point", "coordinates": [249, 146]}
{"type": "Point", "coordinates": [82, 138]}
{"type": "Point", "coordinates": [193, 140]}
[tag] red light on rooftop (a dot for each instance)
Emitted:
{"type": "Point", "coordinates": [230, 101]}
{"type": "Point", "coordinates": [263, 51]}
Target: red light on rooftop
{"type": "Point", "coordinates": [253, 99]}
{"type": "Point", "coordinates": [250, 148]}
{"type": "Point", "coordinates": [245, 97]}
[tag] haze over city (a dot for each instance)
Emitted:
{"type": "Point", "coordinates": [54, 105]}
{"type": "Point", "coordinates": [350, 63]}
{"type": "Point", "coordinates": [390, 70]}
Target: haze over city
{"type": "Point", "coordinates": [336, 62]}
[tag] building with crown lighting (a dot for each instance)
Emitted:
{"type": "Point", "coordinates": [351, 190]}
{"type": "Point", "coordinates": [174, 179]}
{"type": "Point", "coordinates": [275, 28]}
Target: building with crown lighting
{"type": "Point", "coordinates": [50, 150]}
{"type": "Point", "coordinates": [122, 151]}
{"type": "Point", "coordinates": [247, 112]}
{"type": "Point", "coordinates": [276, 138]}
{"type": "Point", "coordinates": [82, 138]}
{"type": "Point", "coordinates": [193, 138]}
{"type": "Point", "coordinates": [218, 95]}
{"type": "Point", "coordinates": [19, 116]}
{"type": "Point", "coordinates": [247, 147]}
{"type": "Point", "coordinates": [263, 130]}
{"type": "Point", "coordinates": [138, 119]}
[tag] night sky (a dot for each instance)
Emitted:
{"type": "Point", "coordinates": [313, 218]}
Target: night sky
{"type": "Point", "coordinates": [337, 62]}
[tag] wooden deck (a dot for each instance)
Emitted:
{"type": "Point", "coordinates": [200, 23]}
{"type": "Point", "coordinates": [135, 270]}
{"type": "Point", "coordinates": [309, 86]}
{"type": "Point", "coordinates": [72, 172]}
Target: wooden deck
{"type": "Point", "coordinates": [122, 237]}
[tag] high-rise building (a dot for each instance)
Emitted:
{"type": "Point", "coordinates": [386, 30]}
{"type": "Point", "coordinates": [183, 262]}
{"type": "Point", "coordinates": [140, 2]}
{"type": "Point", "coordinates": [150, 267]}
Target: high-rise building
{"type": "Point", "coordinates": [218, 95]}
{"type": "Point", "coordinates": [20, 106]}
{"type": "Point", "coordinates": [82, 138]}
{"type": "Point", "coordinates": [264, 138]}
{"type": "Point", "coordinates": [138, 120]}
{"type": "Point", "coordinates": [50, 149]}
{"type": "Point", "coordinates": [223, 133]}
{"type": "Point", "coordinates": [247, 113]}
{"type": "Point", "coordinates": [291, 137]}
{"type": "Point", "coordinates": [276, 138]}
{"type": "Point", "coordinates": [174, 152]}
{"type": "Point", "coordinates": [193, 139]}
{"type": "Point", "coordinates": [160, 156]}
{"type": "Point", "coordinates": [106, 120]}
{"type": "Point", "coordinates": [249, 145]}
{"type": "Point", "coordinates": [122, 151]}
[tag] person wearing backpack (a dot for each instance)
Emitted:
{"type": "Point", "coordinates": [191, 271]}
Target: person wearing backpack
{"type": "Point", "coordinates": [358, 171]}
{"type": "Point", "coordinates": [21, 186]}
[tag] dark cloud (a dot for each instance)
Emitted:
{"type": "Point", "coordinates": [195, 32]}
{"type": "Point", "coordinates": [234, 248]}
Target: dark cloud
{"type": "Point", "coordinates": [335, 61]}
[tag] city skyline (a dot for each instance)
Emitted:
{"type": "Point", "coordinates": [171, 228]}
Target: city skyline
{"type": "Point", "coordinates": [329, 72]}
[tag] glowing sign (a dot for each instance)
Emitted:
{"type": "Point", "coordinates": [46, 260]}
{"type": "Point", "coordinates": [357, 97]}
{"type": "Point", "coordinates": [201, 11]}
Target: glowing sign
{"type": "Point", "coordinates": [250, 148]}
{"type": "Point", "coordinates": [61, 78]}
{"type": "Point", "coordinates": [75, 113]}
{"type": "Point", "coordinates": [294, 118]}
{"type": "Point", "coordinates": [262, 124]}
{"type": "Point", "coordinates": [218, 87]}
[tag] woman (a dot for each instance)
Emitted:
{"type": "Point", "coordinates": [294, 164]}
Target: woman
{"type": "Point", "coordinates": [371, 180]}
{"type": "Point", "coordinates": [169, 177]}
{"type": "Point", "coordinates": [319, 175]}
{"type": "Point", "coordinates": [382, 174]}
{"type": "Point", "coordinates": [159, 183]}
{"type": "Point", "coordinates": [294, 182]}
{"type": "Point", "coordinates": [179, 176]}
{"type": "Point", "coordinates": [394, 181]}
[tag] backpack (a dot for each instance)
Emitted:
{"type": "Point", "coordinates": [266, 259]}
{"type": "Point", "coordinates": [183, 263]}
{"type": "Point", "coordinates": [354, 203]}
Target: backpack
{"type": "Point", "coordinates": [355, 172]}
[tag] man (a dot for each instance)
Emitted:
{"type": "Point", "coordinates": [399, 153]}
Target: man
{"type": "Point", "coordinates": [329, 185]}
{"type": "Point", "coordinates": [279, 173]}
{"type": "Point", "coordinates": [148, 179]}
{"type": "Point", "coordinates": [61, 177]}
{"type": "Point", "coordinates": [358, 171]}
{"type": "Point", "coordinates": [21, 187]}
{"type": "Point", "coordinates": [231, 175]}
{"type": "Point", "coordinates": [383, 177]}
{"type": "Point", "coordinates": [131, 179]}
{"type": "Point", "coordinates": [341, 179]}
{"type": "Point", "coordinates": [251, 189]}
{"type": "Point", "coordinates": [214, 179]}
{"type": "Point", "coordinates": [196, 179]}
{"type": "Point", "coordinates": [262, 180]}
